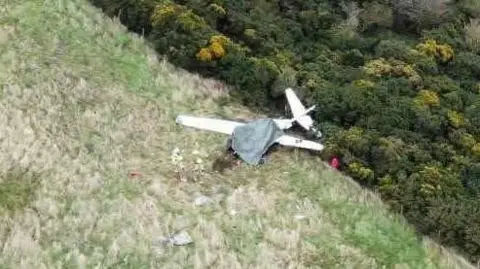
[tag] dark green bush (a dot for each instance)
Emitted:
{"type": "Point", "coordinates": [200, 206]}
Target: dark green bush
{"type": "Point", "coordinates": [132, 13]}
{"type": "Point", "coordinates": [466, 66]}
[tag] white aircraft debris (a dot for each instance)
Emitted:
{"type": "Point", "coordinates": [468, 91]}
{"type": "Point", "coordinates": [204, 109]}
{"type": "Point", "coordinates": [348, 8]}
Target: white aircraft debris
{"type": "Point", "coordinates": [300, 114]}
{"type": "Point", "coordinates": [180, 239]}
{"type": "Point", "coordinates": [251, 140]}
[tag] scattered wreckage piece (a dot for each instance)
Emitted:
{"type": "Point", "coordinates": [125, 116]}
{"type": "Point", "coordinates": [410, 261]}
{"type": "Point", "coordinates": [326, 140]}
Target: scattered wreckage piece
{"type": "Point", "coordinates": [180, 239]}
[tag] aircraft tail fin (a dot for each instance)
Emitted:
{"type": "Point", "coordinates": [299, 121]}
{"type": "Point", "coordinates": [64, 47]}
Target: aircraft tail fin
{"type": "Point", "coordinates": [296, 106]}
{"type": "Point", "coordinates": [300, 114]}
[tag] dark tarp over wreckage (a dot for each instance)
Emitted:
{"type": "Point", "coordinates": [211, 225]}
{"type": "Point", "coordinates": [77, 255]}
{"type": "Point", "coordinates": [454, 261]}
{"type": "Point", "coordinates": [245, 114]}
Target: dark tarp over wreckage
{"type": "Point", "coordinates": [252, 140]}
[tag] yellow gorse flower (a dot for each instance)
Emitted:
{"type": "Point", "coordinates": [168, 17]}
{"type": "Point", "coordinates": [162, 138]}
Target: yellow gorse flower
{"type": "Point", "coordinates": [364, 84]}
{"type": "Point", "coordinates": [428, 97]}
{"type": "Point", "coordinates": [178, 13]}
{"type": "Point", "coordinates": [218, 9]}
{"type": "Point", "coordinates": [476, 149]}
{"type": "Point", "coordinates": [456, 119]}
{"type": "Point", "coordinates": [431, 48]}
{"type": "Point", "coordinates": [381, 67]}
{"type": "Point", "coordinates": [360, 171]}
{"type": "Point", "coordinates": [204, 55]}
{"type": "Point", "coordinates": [163, 13]}
{"type": "Point", "coordinates": [216, 49]}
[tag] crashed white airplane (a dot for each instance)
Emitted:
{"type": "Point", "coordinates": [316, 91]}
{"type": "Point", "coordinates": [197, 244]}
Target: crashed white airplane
{"type": "Point", "coordinates": [260, 130]}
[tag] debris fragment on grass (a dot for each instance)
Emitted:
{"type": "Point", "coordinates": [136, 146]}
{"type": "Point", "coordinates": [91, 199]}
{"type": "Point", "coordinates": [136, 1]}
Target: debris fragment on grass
{"type": "Point", "coordinates": [180, 239]}
{"type": "Point", "coordinates": [202, 200]}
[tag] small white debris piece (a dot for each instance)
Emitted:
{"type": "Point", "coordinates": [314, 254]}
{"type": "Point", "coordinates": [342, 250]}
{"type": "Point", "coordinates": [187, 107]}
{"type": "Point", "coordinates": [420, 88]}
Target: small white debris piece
{"type": "Point", "coordinates": [199, 161]}
{"type": "Point", "coordinates": [299, 217]}
{"type": "Point", "coordinates": [180, 239]}
{"type": "Point", "coordinates": [233, 212]}
{"type": "Point", "coordinates": [176, 157]}
{"type": "Point", "coordinates": [196, 152]}
{"type": "Point", "coordinates": [202, 200]}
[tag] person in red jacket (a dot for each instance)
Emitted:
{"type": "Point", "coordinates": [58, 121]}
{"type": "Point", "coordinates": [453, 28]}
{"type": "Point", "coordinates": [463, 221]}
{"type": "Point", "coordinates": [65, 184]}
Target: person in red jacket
{"type": "Point", "coordinates": [335, 162]}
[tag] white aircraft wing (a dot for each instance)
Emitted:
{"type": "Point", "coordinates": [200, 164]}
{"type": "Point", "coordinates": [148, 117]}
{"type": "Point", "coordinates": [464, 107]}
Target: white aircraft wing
{"type": "Point", "coordinates": [292, 141]}
{"type": "Point", "coordinates": [215, 125]}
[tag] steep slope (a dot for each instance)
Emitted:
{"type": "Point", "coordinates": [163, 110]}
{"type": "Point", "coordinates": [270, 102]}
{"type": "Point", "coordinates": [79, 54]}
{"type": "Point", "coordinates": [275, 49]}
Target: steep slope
{"type": "Point", "coordinates": [84, 103]}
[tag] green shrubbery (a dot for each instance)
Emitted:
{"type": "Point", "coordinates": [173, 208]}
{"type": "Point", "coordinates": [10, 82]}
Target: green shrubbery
{"type": "Point", "coordinates": [397, 86]}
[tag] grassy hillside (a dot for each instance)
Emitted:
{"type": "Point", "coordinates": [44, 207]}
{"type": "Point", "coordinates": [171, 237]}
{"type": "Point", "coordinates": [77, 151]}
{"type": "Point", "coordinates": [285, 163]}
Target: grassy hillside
{"type": "Point", "coordinates": [396, 84]}
{"type": "Point", "coordinates": [84, 104]}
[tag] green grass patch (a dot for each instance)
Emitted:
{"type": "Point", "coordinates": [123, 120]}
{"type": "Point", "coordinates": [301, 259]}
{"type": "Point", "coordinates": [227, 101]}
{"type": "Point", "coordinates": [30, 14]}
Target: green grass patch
{"type": "Point", "coordinates": [17, 190]}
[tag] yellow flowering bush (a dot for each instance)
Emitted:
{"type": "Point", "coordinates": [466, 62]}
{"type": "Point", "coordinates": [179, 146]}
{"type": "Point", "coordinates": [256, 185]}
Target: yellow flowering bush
{"type": "Point", "coordinates": [378, 67]}
{"type": "Point", "coordinates": [181, 14]}
{"type": "Point", "coordinates": [191, 21]}
{"type": "Point", "coordinates": [455, 118]}
{"type": "Point", "coordinates": [467, 141]}
{"type": "Point", "coordinates": [431, 48]}
{"type": "Point", "coordinates": [163, 13]}
{"type": "Point", "coordinates": [381, 67]}
{"type": "Point", "coordinates": [204, 55]}
{"type": "Point", "coordinates": [476, 150]}
{"type": "Point", "coordinates": [221, 39]}
{"type": "Point", "coordinates": [364, 84]}
{"type": "Point", "coordinates": [217, 9]}
{"type": "Point", "coordinates": [216, 49]}
{"type": "Point", "coordinates": [355, 139]}
{"type": "Point", "coordinates": [430, 177]}
{"type": "Point", "coordinates": [283, 57]}
{"type": "Point", "coordinates": [428, 98]}
{"type": "Point", "coordinates": [386, 184]}
{"type": "Point", "coordinates": [361, 172]}
{"type": "Point", "coordinates": [428, 47]}
{"type": "Point", "coordinates": [354, 134]}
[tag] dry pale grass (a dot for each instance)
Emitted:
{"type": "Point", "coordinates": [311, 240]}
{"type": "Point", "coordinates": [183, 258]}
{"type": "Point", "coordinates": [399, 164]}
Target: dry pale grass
{"type": "Point", "coordinates": [471, 7]}
{"type": "Point", "coordinates": [472, 35]}
{"type": "Point", "coordinates": [84, 104]}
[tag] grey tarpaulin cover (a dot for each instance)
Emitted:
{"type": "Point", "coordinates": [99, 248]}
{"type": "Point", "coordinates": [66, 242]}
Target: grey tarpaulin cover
{"type": "Point", "coordinates": [252, 140]}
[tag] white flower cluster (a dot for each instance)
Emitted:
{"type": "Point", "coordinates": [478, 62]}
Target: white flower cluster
{"type": "Point", "coordinates": [190, 168]}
